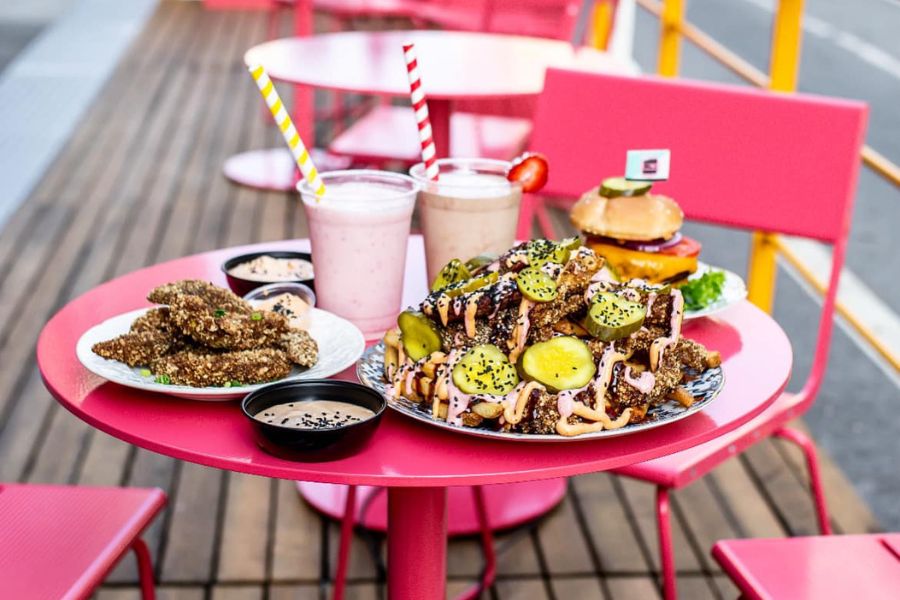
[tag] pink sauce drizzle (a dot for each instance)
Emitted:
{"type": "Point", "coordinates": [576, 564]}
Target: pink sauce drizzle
{"type": "Point", "coordinates": [660, 344]}
{"type": "Point", "coordinates": [643, 383]}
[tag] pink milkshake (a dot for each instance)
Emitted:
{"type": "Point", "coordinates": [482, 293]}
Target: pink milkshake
{"type": "Point", "coordinates": [359, 231]}
{"type": "Point", "coordinates": [472, 209]}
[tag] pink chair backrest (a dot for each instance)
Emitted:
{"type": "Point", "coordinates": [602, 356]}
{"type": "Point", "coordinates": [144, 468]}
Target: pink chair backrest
{"type": "Point", "coordinates": [740, 157]}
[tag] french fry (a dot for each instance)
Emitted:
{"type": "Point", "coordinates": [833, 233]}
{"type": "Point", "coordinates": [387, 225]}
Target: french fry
{"type": "Point", "coordinates": [488, 410]}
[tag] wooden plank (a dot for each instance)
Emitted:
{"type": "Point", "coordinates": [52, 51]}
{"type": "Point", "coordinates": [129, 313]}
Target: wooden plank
{"type": "Point", "coordinates": [611, 532]}
{"type": "Point", "coordinates": [521, 589]}
{"type": "Point", "coordinates": [753, 517]}
{"type": "Point", "coordinates": [245, 531]}
{"type": "Point", "coordinates": [639, 500]}
{"type": "Point", "coordinates": [188, 551]}
{"type": "Point", "coordinates": [162, 593]}
{"type": "Point", "coordinates": [705, 521]}
{"type": "Point", "coordinates": [697, 587]}
{"type": "Point", "coordinates": [238, 592]}
{"type": "Point", "coordinates": [516, 553]}
{"type": "Point", "coordinates": [298, 538]}
{"type": "Point", "coordinates": [632, 588]}
{"type": "Point", "coordinates": [583, 588]}
{"type": "Point", "coordinates": [563, 545]}
{"type": "Point", "coordinates": [294, 592]}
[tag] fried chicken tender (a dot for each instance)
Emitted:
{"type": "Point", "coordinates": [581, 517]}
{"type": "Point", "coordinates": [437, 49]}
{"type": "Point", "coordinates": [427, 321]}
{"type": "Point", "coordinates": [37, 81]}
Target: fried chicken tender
{"type": "Point", "coordinates": [136, 348]}
{"type": "Point", "coordinates": [213, 296]}
{"type": "Point", "coordinates": [223, 329]}
{"type": "Point", "coordinates": [216, 369]}
{"type": "Point", "coordinates": [155, 319]}
{"type": "Point", "coordinates": [570, 286]}
{"type": "Point", "coordinates": [300, 348]}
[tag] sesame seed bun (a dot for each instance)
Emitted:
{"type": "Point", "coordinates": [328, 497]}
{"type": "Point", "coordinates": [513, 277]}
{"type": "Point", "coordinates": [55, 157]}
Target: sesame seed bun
{"type": "Point", "coordinates": [634, 218]}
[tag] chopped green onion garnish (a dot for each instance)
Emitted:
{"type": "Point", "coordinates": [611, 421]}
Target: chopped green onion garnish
{"type": "Point", "coordinates": [163, 379]}
{"type": "Point", "coordinates": [219, 313]}
{"type": "Point", "coordinates": [235, 383]}
{"type": "Point", "coordinates": [227, 384]}
{"type": "Point", "coordinates": [145, 373]}
{"type": "Point", "coordinates": [257, 316]}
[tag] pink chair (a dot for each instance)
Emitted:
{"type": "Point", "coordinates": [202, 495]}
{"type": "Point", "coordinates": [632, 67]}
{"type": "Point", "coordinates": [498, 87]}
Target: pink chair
{"type": "Point", "coordinates": [740, 158]}
{"type": "Point", "coordinates": [62, 541]}
{"type": "Point", "coordinates": [840, 566]}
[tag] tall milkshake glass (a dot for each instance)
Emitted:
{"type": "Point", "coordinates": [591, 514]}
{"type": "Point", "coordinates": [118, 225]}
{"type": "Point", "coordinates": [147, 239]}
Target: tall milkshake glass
{"type": "Point", "coordinates": [359, 231]}
{"type": "Point", "coordinates": [472, 209]}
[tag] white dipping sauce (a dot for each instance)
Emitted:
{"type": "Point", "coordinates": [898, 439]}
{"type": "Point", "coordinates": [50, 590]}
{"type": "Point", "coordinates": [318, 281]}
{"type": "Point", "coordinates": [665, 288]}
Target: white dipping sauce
{"type": "Point", "coordinates": [271, 269]}
{"type": "Point", "coordinates": [314, 414]}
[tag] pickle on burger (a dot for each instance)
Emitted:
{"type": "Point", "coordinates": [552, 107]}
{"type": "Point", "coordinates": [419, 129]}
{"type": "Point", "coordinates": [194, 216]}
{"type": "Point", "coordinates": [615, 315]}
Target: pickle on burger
{"type": "Point", "coordinates": [636, 232]}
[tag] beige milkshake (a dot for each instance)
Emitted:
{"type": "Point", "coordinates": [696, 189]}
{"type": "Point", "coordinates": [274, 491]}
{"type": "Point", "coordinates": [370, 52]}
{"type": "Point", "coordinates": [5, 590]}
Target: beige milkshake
{"type": "Point", "coordinates": [472, 209]}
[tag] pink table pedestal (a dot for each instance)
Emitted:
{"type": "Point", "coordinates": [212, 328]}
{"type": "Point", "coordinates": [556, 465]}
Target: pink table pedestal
{"type": "Point", "coordinates": [454, 65]}
{"type": "Point", "coordinates": [416, 462]}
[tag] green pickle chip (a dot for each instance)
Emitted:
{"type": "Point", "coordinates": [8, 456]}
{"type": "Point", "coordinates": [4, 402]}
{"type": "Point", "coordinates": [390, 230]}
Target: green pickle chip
{"type": "Point", "coordinates": [536, 285]}
{"type": "Point", "coordinates": [485, 369]}
{"type": "Point", "coordinates": [418, 334]}
{"type": "Point", "coordinates": [611, 317]}
{"type": "Point", "coordinates": [560, 363]}
{"type": "Point", "coordinates": [613, 187]}
{"type": "Point", "coordinates": [453, 272]}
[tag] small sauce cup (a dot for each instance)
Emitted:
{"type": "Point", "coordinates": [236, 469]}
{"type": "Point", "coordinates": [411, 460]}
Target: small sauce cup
{"type": "Point", "coordinates": [241, 286]}
{"type": "Point", "coordinates": [313, 444]}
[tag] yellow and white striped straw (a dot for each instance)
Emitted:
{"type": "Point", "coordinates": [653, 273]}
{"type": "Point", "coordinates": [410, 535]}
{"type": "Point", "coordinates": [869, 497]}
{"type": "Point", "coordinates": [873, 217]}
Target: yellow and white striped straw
{"type": "Point", "coordinates": [283, 120]}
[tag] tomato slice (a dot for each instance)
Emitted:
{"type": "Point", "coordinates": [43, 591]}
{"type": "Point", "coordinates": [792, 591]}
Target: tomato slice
{"type": "Point", "coordinates": [686, 247]}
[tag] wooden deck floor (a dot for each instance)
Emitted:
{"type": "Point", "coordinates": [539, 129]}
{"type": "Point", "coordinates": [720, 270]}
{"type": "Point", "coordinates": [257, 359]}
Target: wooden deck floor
{"type": "Point", "coordinates": [140, 182]}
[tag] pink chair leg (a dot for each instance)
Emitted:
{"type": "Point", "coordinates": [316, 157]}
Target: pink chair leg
{"type": "Point", "coordinates": [487, 547]}
{"type": "Point", "coordinates": [666, 553]}
{"type": "Point", "coordinates": [340, 576]}
{"type": "Point", "coordinates": [145, 569]}
{"type": "Point", "coordinates": [815, 479]}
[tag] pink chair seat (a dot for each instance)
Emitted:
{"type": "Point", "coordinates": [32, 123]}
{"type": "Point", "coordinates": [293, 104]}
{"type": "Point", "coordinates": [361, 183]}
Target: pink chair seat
{"type": "Point", "coordinates": [61, 541]}
{"type": "Point", "coordinates": [679, 469]}
{"type": "Point", "coordinates": [389, 133]}
{"type": "Point", "coordinates": [846, 566]}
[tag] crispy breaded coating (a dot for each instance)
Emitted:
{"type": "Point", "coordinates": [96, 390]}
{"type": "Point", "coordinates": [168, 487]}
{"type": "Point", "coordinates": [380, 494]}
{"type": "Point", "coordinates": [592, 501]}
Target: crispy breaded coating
{"type": "Point", "coordinates": [216, 369]}
{"type": "Point", "coordinates": [570, 286]}
{"type": "Point", "coordinates": [155, 319]}
{"type": "Point", "coordinates": [695, 356]}
{"type": "Point", "coordinates": [135, 349]}
{"type": "Point", "coordinates": [213, 296]}
{"type": "Point", "coordinates": [300, 348]}
{"type": "Point", "coordinates": [223, 329]}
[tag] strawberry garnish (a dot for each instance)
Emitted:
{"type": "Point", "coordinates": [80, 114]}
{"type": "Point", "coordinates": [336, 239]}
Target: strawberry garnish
{"type": "Point", "coordinates": [530, 170]}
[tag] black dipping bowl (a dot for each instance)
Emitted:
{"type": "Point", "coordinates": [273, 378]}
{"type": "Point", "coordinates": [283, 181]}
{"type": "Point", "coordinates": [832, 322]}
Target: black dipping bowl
{"type": "Point", "coordinates": [313, 444]}
{"type": "Point", "coordinates": [242, 286]}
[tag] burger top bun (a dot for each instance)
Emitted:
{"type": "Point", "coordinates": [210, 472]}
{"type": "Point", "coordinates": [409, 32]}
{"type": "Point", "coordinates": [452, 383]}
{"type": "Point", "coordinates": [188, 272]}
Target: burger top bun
{"type": "Point", "coordinates": [637, 218]}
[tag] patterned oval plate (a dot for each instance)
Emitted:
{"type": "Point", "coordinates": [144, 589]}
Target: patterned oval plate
{"type": "Point", "coordinates": [733, 291]}
{"type": "Point", "coordinates": [340, 344]}
{"type": "Point", "coordinates": [705, 388]}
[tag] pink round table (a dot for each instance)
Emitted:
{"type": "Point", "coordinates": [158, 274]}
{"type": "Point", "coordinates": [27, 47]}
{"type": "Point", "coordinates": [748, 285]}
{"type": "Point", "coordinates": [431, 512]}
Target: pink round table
{"type": "Point", "coordinates": [417, 463]}
{"type": "Point", "coordinates": [454, 66]}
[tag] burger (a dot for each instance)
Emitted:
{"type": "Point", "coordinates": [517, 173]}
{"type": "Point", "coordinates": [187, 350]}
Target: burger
{"type": "Point", "coordinates": [636, 232]}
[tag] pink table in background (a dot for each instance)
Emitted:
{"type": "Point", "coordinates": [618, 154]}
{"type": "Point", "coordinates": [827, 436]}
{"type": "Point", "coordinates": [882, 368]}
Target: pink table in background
{"type": "Point", "coordinates": [454, 66]}
{"type": "Point", "coordinates": [417, 463]}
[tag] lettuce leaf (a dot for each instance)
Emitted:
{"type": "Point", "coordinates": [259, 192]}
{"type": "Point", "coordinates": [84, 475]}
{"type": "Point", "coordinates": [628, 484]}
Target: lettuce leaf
{"type": "Point", "coordinates": [703, 291]}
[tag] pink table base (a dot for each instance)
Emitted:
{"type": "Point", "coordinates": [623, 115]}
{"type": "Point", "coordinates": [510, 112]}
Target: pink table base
{"type": "Point", "coordinates": [508, 505]}
{"type": "Point", "coordinates": [418, 463]}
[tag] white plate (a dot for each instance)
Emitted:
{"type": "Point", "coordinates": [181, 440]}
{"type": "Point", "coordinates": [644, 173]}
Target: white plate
{"type": "Point", "coordinates": [705, 388]}
{"type": "Point", "coordinates": [733, 291]}
{"type": "Point", "coordinates": [340, 342]}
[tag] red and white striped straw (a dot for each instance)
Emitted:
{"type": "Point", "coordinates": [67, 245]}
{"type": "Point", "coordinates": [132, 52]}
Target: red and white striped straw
{"type": "Point", "coordinates": [420, 106]}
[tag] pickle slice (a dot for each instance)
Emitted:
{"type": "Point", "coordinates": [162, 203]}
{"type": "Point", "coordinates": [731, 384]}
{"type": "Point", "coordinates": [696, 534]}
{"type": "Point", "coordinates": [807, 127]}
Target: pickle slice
{"type": "Point", "coordinates": [564, 248]}
{"type": "Point", "coordinates": [613, 187]}
{"type": "Point", "coordinates": [476, 263]}
{"type": "Point", "coordinates": [485, 369]}
{"type": "Point", "coordinates": [560, 363]}
{"type": "Point", "coordinates": [539, 252]}
{"type": "Point", "coordinates": [611, 317]}
{"type": "Point", "coordinates": [453, 272]}
{"type": "Point", "coordinates": [536, 285]}
{"type": "Point", "coordinates": [470, 285]}
{"type": "Point", "coordinates": [418, 334]}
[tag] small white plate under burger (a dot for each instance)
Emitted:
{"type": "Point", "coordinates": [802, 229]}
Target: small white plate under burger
{"type": "Point", "coordinates": [733, 291]}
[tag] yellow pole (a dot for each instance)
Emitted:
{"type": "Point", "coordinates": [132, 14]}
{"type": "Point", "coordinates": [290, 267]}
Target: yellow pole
{"type": "Point", "coordinates": [670, 37]}
{"type": "Point", "coordinates": [783, 67]}
{"type": "Point", "coordinates": [601, 24]}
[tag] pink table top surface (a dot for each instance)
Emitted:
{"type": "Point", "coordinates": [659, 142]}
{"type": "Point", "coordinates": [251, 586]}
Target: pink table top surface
{"type": "Point", "coordinates": [453, 65]}
{"type": "Point", "coordinates": [757, 363]}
